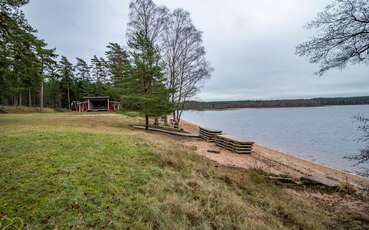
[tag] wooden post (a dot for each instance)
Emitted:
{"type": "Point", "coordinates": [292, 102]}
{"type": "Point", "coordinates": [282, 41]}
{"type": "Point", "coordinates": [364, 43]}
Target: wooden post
{"type": "Point", "coordinates": [174, 116]}
{"type": "Point", "coordinates": [147, 122]}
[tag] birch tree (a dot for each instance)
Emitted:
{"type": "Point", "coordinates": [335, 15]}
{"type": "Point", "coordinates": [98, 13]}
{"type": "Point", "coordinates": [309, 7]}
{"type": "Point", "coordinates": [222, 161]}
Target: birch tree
{"type": "Point", "coordinates": [185, 59]}
{"type": "Point", "coordinates": [147, 20]}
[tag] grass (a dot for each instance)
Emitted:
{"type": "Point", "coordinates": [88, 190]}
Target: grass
{"type": "Point", "coordinates": [23, 109]}
{"type": "Point", "coordinates": [92, 171]}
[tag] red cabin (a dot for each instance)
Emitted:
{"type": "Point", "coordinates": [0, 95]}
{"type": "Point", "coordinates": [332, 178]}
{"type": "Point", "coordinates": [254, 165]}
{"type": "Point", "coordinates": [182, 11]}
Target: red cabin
{"type": "Point", "coordinates": [96, 104]}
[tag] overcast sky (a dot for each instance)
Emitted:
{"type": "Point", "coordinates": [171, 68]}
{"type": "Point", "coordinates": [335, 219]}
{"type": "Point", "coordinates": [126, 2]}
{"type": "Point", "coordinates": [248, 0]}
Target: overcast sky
{"type": "Point", "coordinates": [249, 43]}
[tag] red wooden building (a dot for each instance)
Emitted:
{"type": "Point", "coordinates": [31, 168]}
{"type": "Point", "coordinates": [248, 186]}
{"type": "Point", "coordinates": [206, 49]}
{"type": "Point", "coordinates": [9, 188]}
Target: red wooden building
{"type": "Point", "coordinates": [96, 104]}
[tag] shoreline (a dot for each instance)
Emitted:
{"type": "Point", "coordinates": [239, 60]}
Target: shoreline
{"type": "Point", "coordinates": [275, 162]}
{"type": "Point", "coordinates": [271, 107]}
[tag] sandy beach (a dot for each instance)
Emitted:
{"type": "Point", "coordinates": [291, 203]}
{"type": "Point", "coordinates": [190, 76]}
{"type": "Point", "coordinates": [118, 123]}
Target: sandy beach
{"type": "Point", "coordinates": [273, 161]}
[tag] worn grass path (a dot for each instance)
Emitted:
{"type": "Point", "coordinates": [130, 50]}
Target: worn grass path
{"type": "Point", "coordinates": [60, 171]}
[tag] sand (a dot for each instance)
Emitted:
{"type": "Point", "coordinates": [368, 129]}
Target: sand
{"type": "Point", "coordinates": [273, 161]}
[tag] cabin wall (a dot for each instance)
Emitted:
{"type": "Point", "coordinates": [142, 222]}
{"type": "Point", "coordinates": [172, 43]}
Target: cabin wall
{"type": "Point", "coordinates": [88, 105]}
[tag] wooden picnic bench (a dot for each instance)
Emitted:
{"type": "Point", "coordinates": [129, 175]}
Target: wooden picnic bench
{"type": "Point", "coordinates": [234, 144]}
{"type": "Point", "coordinates": [209, 134]}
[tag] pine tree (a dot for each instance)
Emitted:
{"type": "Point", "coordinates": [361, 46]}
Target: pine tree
{"type": "Point", "coordinates": [67, 80]}
{"type": "Point", "coordinates": [118, 63]}
{"type": "Point", "coordinates": [16, 49]}
{"type": "Point", "coordinates": [144, 89]}
{"type": "Point", "coordinates": [83, 76]}
{"type": "Point", "coordinates": [99, 75]}
{"type": "Point", "coordinates": [53, 90]}
{"type": "Point", "coordinates": [23, 57]}
{"type": "Point", "coordinates": [46, 65]}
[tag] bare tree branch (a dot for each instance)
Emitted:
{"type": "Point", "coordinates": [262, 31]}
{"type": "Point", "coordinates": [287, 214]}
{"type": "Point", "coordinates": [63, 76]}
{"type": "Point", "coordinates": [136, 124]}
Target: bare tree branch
{"type": "Point", "coordinates": [184, 57]}
{"type": "Point", "coordinates": [342, 36]}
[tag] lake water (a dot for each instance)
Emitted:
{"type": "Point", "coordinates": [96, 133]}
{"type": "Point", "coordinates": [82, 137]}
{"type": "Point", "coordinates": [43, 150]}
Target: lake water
{"type": "Point", "coordinates": [320, 134]}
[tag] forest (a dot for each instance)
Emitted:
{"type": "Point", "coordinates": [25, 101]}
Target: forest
{"type": "Point", "coordinates": [197, 105]}
{"type": "Point", "coordinates": [162, 65]}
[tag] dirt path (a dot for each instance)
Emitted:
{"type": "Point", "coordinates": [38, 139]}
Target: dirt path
{"type": "Point", "coordinates": [273, 161]}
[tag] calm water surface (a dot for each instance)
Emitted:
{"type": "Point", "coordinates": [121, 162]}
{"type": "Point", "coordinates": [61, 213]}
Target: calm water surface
{"type": "Point", "coordinates": [321, 134]}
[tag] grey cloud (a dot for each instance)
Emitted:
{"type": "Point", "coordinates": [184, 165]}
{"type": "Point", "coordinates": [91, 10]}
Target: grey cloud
{"type": "Point", "coordinates": [251, 44]}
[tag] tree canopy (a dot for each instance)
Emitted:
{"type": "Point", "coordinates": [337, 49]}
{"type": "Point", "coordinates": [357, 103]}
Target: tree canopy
{"type": "Point", "coordinates": [161, 68]}
{"type": "Point", "coordinates": [147, 91]}
{"type": "Point", "coordinates": [341, 35]}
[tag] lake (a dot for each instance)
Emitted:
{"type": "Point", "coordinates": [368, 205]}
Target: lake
{"type": "Point", "coordinates": [320, 134]}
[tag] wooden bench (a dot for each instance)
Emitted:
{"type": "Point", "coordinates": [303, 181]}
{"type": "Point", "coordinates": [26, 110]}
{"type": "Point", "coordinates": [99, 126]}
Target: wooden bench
{"type": "Point", "coordinates": [234, 144]}
{"type": "Point", "coordinates": [209, 134]}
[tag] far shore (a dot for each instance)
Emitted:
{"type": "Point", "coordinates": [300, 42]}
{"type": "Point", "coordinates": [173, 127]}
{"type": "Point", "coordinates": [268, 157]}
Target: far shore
{"type": "Point", "coordinates": [282, 103]}
{"type": "Point", "coordinates": [271, 107]}
{"type": "Point", "coordinates": [274, 161]}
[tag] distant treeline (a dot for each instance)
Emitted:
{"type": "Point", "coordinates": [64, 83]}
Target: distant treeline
{"type": "Point", "coordinates": [196, 105]}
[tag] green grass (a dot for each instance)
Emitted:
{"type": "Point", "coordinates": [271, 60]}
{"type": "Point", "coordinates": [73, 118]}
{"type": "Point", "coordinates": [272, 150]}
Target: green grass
{"type": "Point", "coordinates": [72, 171]}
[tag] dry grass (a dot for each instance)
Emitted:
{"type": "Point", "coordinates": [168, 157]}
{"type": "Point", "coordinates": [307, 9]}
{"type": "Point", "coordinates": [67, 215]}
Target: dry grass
{"type": "Point", "coordinates": [23, 109]}
{"type": "Point", "coordinates": [93, 171]}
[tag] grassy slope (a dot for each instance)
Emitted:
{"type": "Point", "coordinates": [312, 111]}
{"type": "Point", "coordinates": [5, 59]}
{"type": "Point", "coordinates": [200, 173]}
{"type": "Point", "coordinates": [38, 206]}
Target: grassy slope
{"type": "Point", "coordinates": [68, 170]}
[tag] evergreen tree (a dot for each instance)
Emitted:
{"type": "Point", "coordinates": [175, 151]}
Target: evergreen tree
{"type": "Point", "coordinates": [144, 89]}
{"type": "Point", "coordinates": [82, 70]}
{"type": "Point", "coordinates": [46, 65]}
{"type": "Point", "coordinates": [53, 90]}
{"type": "Point", "coordinates": [66, 81]}
{"type": "Point", "coordinates": [95, 69]}
{"type": "Point", "coordinates": [99, 75]}
{"type": "Point", "coordinates": [16, 49]}
{"type": "Point", "coordinates": [105, 77]}
{"type": "Point", "coordinates": [118, 63]}
{"type": "Point", "coordinates": [83, 76]}
{"type": "Point", "coordinates": [23, 55]}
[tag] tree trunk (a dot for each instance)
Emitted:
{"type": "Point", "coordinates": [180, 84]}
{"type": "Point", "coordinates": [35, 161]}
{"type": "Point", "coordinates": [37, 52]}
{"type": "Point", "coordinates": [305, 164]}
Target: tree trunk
{"type": "Point", "coordinates": [59, 102]}
{"type": "Point", "coordinates": [20, 99]}
{"type": "Point", "coordinates": [177, 116]}
{"type": "Point", "coordinates": [165, 120]}
{"type": "Point", "coordinates": [15, 101]}
{"type": "Point", "coordinates": [29, 98]}
{"type": "Point", "coordinates": [146, 122]}
{"type": "Point", "coordinates": [68, 97]}
{"type": "Point", "coordinates": [42, 96]}
{"type": "Point", "coordinates": [180, 111]}
{"type": "Point", "coordinates": [156, 122]}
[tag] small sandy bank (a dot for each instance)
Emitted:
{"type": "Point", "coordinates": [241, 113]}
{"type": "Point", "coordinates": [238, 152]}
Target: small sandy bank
{"type": "Point", "coordinates": [273, 161]}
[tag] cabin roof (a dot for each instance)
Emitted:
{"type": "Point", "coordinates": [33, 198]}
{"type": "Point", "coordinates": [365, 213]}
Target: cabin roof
{"type": "Point", "coordinates": [97, 97]}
